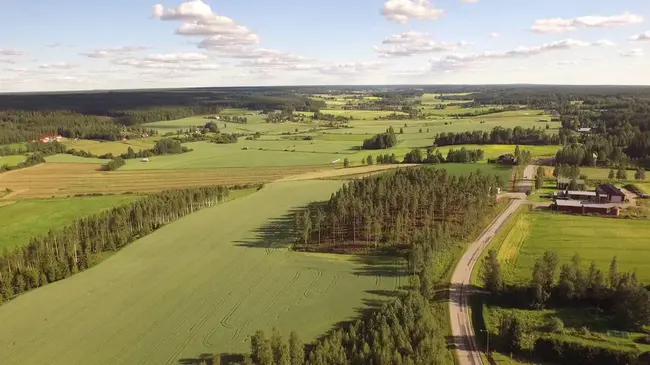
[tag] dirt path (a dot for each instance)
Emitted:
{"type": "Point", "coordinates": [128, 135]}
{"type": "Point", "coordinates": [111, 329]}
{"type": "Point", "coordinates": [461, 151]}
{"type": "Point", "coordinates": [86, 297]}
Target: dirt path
{"type": "Point", "coordinates": [343, 172]}
{"type": "Point", "coordinates": [459, 311]}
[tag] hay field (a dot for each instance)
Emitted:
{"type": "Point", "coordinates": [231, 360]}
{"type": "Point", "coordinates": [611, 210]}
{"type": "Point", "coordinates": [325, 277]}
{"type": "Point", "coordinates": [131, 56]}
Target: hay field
{"type": "Point", "coordinates": [203, 284]}
{"type": "Point", "coordinates": [61, 180]}
{"type": "Point", "coordinates": [25, 219]}
{"type": "Point", "coordinates": [596, 239]}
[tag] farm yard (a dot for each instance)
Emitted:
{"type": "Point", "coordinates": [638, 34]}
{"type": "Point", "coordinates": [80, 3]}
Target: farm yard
{"type": "Point", "coordinates": [204, 288]}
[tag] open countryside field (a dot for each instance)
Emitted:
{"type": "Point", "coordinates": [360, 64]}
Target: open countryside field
{"type": "Point", "coordinates": [596, 239]}
{"type": "Point", "coordinates": [61, 180]}
{"type": "Point", "coordinates": [203, 284]}
{"type": "Point", "coordinates": [25, 219]}
{"type": "Point", "coordinates": [116, 148]}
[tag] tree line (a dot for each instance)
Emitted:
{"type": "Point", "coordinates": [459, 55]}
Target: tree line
{"type": "Point", "coordinates": [619, 294]}
{"type": "Point", "coordinates": [394, 209]}
{"type": "Point", "coordinates": [68, 250]}
{"type": "Point", "coordinates": [498, 135]}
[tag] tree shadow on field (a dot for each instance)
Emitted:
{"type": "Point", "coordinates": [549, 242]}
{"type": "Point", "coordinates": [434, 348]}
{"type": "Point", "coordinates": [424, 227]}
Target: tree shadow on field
{"type": "Point", "coordinates": [275, 233]}
{"type": "Point", "coordinates": [213, 359]}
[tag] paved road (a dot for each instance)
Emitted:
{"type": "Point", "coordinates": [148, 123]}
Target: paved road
{"type": "Point", "coordinates": [461, 322]}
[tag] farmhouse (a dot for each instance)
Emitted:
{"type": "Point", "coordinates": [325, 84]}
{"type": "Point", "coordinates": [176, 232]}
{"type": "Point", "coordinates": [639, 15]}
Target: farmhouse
{"type": "Point", "coordinates": [47, 139]}
{"type": "Point", "coordinates": [589, 196]}
{"type": "Point", "coordinates": [563, 183]}
{"type": "Point", "coordinates": [578, 207]}
{"type": "Point", "coordinates": [614, 195]}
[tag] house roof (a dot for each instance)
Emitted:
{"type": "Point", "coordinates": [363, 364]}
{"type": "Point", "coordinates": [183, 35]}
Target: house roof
{"type": "Point", "coordinates": [583, 193]}
{"type": "Point", "coordinates": [609, 189]}
{"type": "Point", "coordinates": [577, 203]}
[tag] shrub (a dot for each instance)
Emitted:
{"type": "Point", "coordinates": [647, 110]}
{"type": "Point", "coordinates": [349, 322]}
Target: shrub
{"type": "Point", "coordinates": [578, 353]}
{"type": "Point", "coordinates": [556, 325]}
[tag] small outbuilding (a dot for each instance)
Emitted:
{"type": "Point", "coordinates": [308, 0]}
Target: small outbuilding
{"type": "Point", "coordinates": [614, 194]}
{"type": "Point", "coordinates": [578, 207]}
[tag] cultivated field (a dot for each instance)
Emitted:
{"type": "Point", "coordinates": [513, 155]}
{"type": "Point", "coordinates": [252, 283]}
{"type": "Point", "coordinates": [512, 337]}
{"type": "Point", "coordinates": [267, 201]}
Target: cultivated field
{"type": "Point", "coordinates": [22, 220]}
{"type": "Point", "coordinates": [598, 239]}
{"type": "Point", "coordinates": [203, 284]}
{"type": "Point", "coordinates": [61, 180]}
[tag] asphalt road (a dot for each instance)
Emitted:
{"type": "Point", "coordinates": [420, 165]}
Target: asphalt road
{"type": "Point", "coordinates": [460, 289]}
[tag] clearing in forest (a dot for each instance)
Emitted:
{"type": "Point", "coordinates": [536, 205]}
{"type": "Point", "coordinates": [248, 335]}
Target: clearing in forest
{"type": "Point", "coordinates": [202, 284]}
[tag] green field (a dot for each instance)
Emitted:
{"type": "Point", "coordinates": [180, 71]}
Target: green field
{"type": "Point", "coordinates": [202, 284]}
{"type": "Point", "coordinates": [24, 219]}
{"type": "Point", "coordinates": [12, 160]}
{"type": "Point", "coordinates": [116, 148]}
{"type": "Point", "coordinates": [596, 239]}
{"type": "Point", "coordinates": [65, 158]}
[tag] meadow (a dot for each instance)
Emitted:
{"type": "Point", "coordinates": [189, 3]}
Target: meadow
{"type": "Point", "coordinates": [202, 284]}
{"type": "Point", "coordinates": [22, 220]}
{"type": "Point", "coordinates": [598, 239]}
{"type": "Point", "coordinates": [116, 148]}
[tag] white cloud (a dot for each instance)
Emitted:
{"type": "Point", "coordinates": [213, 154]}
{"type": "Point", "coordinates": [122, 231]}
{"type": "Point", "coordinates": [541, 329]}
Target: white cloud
{"type": "Point", "coordinates": [188, 11]}
{"type": "Point", "coordinates": [402, 11]}
{"type": "Point", "coordinates": [636, 52]}
{"type": "Point", "coordinates": [11, 52]}
{"type": "Point", "coordinates": [176, 57]}
{"type": "Point", "coordinates": [494, 35]}
{"type": "Point", "coordinates": [414, 43]}
{"type": "Point", "coordinates": [559, 25]}
{"type": "Point", "coordinates": [567, 63]}
{"type": "Point", "coordinates": [199, 20]}
{"type": "Point", "coordinates": [645, 36]}
{"type": "Point", "coordinates": [604, 43]}
{"type": "Point", "coordinates": [469, 1]}
{"type": "Point", "coordinates": [57, 65]}
{"type": "Point", "coordinates": [349, 68]}
{"type": "Point", "coordinates": [458, 61]}
{"type": "Point", "coordinates": [7, 60]}
{"type": "Point", "coordinates": [111, 52]}
{"type": "Point", "coordinates": [217, 42]}
{"type": "Point", "coordinates": [185, 62]}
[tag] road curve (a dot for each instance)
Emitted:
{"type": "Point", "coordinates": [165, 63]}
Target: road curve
{"type": "Point", "coordinates": [461, 323]}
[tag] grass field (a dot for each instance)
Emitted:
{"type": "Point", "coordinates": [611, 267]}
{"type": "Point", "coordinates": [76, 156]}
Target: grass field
{"type": "Point", "coordinates": [116, 148]}
{"type": "Point", "coordinates": [24, 219]}
{"type": "Point", "coordinates": [595, 239]}
{"type": "Point", "coordinates": [65, 158]}
{"type": "Point", "coordinates": [203, 284]}
{"type": "Point", "coordinates": [12, 160]}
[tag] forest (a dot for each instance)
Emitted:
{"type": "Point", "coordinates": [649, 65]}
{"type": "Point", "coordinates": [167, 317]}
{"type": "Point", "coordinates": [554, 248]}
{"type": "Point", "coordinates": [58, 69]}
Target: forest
{"type": "Point", "coordinates": [395, 210]}
{"type": "Point", "coordinates": [76, 247]}
{"type": "Point", "coordinates": [499, 135]}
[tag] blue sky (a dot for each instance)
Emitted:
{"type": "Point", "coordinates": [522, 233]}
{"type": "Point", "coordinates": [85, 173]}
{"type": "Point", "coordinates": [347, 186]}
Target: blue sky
{"type": "Point", "coordinates": [77, 45]}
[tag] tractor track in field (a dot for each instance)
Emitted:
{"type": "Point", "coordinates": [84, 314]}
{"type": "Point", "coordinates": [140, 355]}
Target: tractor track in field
{"type": "Point", "coordinates": [142, 313]}
{"type": "Point", "coordinates": [180, 303]}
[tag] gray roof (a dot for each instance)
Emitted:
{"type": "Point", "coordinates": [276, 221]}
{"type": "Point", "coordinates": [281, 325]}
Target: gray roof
{"type": "Point", "coordinates": [577, 203]}
{"type": "Point", "coordinates": [583, 193]}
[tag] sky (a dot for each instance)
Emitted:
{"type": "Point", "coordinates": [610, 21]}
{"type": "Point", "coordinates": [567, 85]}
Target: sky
{"type": "Point", "coordinates": [61, 45]}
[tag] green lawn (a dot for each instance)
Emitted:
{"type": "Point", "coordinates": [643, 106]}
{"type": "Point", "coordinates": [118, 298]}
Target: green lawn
{"type": "Point", "coordinates": [596, 239]}
{"type": "Point", "coordinates": [12, 160]}
{"type": "Point", "coordinates": [116, 148]}
{"type": "Point", "coordinates": [203, 284]}
{"type": "Point", "coordinates": [29, 218]}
